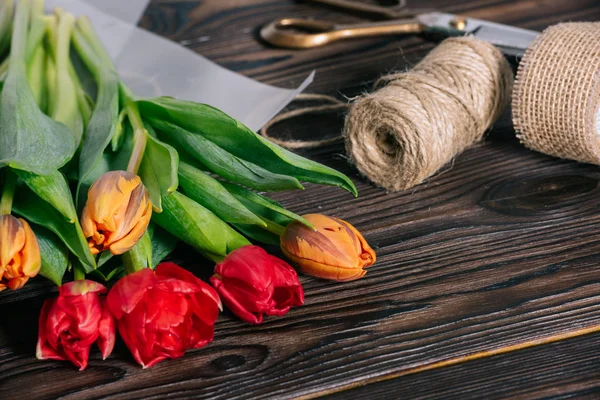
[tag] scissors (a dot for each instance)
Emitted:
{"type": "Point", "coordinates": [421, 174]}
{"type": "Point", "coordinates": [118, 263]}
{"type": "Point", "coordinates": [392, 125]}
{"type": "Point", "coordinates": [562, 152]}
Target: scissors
{"type": "Point", "coordinates": [297, 33]}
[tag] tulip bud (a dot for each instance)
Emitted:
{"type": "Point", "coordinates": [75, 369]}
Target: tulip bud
{"type": "Point", "coordinates": [252, 282]}
{"type": "Point", "coordinates": [335, 250]}
{"type": "Point", "coordinates": [19, 252]}
{"type": "Point", "coordinates": [70, 323]}
{"type": "Point", "coordinates": [162, 313]}
{"type": "Point", "coordinates": [117, 212]}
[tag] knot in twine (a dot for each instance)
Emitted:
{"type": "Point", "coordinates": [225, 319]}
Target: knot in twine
{"type": "Point", "coordinates": [556, 101]}
{"type": "Point", "coordinates": [420, 120]}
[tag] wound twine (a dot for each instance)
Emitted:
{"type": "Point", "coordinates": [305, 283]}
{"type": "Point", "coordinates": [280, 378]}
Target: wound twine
{"type": "Point", "coordinates": [407, 130]}
{"type": "Point", "coordinates": [556, 101]}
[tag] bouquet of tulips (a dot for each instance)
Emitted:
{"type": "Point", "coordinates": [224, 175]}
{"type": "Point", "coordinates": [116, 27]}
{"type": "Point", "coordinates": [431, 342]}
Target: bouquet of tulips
{"type": "Point", "coordinates": [101, 183]}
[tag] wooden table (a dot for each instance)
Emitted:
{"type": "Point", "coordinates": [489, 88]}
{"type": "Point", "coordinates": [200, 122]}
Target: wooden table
{"type": "Point", "coordinates": [487, 283]}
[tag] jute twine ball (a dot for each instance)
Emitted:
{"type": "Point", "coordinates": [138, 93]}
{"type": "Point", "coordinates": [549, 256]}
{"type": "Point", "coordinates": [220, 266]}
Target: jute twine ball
{"type": "Point", "coordinates": [406, 131]}
{"type": "Point", "coordinates": [556, 101]}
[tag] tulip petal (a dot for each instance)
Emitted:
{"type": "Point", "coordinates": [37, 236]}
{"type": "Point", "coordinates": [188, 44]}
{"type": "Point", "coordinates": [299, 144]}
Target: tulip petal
{"type": "Point", "coordinates": [323, 271]}
{"type": "Point", "coordinates": [137, 218]}
{"type": "Point", "coordinates": [77, 288]}
{"type": "Point", "coordinates": [31, 260]}
{"type": "Point", "coordinates": [109, 196]}
{"type": "Point", "coordinates": [327, 245]}
{"type": "Point", "coordinates": [12, 239]}
{"type": "Point", "coordinates": [368, 256]}
{"type": "Point", "coordinates": [174, 312]}
{"type": "Point", "coordinates": [117, 212]}
{"type": "Point", "coordinates": [202, 334]}
{"type": "Point", "coordinates": [42, 350]}
{"type": "Point", "coordinates": [129, 291]}
{"type": "Point", "coordinates": [235, 306]}
{"type": "Point", "coordinates": [166, 310]}
{"type": "Point", "coordinates": [173, 270]}
{"type": "Point", "coordinates": [106, 332]}
{"type": "Point", "coordinates": [251, 264]}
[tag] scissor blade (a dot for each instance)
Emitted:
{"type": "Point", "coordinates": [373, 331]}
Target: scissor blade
{"type": "Point", "coordinates": [510, 39]}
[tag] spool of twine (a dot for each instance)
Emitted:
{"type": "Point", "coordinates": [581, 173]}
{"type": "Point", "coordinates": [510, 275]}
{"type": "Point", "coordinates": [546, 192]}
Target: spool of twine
{"type": "Point", "coordinates": [556, 101]}
{"type": "Point", "coordinates": [407, 130]}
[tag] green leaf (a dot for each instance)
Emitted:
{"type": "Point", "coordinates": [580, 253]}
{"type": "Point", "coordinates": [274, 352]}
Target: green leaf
{"type": "Point", "coordinates": [113, 268]}
{"type": "Point", "coordinates": [36, 62]}
{"type": "Point", "coordinates": [104, 257]}
{"type": "Point", "coordinates": [108, 162]}
{"type": "Point", "coordinates": [36, 210]}
{"type": "Point", "coordinates": [140, 255]}
{"type": "Point", "coordinates": [118, 136]}
{"type": "Point", "coordinates": [163, 243]}
{"type": "Point", "coordinates": [258, 234]}
{"type": "Point", "coordinates": [63, 105]}
{"type": "Point", "coordinates": [158, 170]}
{"type": "Point", "coordinates": [264, 207]}
{"type": "Point", "coordinates": [6, 17]}
{"type": "Point", "coordinates": [55, 256]}
{"type": "Point", "coordinates": [29, 140]}
{"type": "Point", "coordinates": [53, 189]}
{"type": "Point", "coordinates": [36, 76]}
{"type": "Point", "coordinates": [206, 190]}
{"type": "Point", "coordinates": [197, 226]}
{"type": "Point", "coordinates": [104, 119]}
{"type": "Point", "coordinates": [232, 136]}
{"type": "Point", "coordinates": [225, 164]}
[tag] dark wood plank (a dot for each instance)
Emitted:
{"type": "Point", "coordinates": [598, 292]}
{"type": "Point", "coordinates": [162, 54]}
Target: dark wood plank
{"type": "Point", "coordinates": [567, 369]}
{"type": "Point", "coordinates": [500, 249]}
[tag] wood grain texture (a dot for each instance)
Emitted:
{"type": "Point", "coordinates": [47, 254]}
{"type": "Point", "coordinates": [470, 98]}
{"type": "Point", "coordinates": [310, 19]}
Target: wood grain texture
{"type": "Point", "coordinates": [567, 369]}
{"type": "Point", "coordinates": [500, 249]}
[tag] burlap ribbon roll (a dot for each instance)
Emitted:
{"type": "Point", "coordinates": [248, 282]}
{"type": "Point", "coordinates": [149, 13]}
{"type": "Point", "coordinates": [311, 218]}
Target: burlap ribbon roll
{"type": "Point", "coordinates": [420, 120]}
{"type": "Point", "coordinates": [556, 101]}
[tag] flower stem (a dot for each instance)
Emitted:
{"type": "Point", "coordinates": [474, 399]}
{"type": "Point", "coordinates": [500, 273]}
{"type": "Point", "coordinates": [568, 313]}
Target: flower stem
{"type": "Point", "coordinates": [273, 227]}
{"type": "Point", "coordinates": [78, 272]}
{"type": "Point", "coordinates": [85, 27]}
{"type": "Point", "coordinates": [140, 136]}
{"type": "Point", "coordinates": [8, 193]}
{"type": "Point", "coordinates": [139, 257]}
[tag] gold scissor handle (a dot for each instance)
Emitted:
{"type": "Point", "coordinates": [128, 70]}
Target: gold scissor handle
{"type": "Point", "coordinates": [296, 33]}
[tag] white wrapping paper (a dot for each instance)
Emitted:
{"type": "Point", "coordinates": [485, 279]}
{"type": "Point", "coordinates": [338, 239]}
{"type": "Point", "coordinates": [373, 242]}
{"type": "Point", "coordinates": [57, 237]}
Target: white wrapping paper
{"type": "Point", "coordinates": [154, 66]}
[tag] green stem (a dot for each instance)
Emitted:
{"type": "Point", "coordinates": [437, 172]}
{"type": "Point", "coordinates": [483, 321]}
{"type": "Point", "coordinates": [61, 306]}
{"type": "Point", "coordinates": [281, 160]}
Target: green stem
{"type": "Point", "coordinates": [272, 226]}
{"type": "Point", "coordinates": [213, 257]}
{"type": "Point", "coordinates": [8, 193]}
{"type": "Point", "coordinates": [19, 40]}
{"type": "Point", "coordinates": [140, 136]}
{"type": "Point", "coordinates": [140, 255]}
{"type": "Point", "coordinates": [87, 53]}
{"type": "Point", "coordinates": [53, 32]}
{"type": "Point", "coordinates": [6, 14]}
{"type": "Point", "coordinates": [78, 272]}
{"type": "Point", "coordinates": [4, 68]}
{"type": "Point", "coordinates": [37, 8]}
{"type": "Point", "coordinates": [64, 100]}
{"type": "Point", "coordinates": [85, 27]}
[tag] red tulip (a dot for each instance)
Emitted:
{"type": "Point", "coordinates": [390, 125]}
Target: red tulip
{"type": "Point", "coordinates": [160, 314]}
{"type": "Point", "coordinates": [72, 322]}
{"type": "Point", "coordinates": [252, 282]}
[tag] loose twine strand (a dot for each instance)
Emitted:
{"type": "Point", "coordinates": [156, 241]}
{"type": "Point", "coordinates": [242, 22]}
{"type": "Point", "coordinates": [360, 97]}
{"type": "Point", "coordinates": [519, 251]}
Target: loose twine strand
{"type": "Point", "coordinates": [418, 121]}
{"type": "Point", "coordinates": [335, 105]}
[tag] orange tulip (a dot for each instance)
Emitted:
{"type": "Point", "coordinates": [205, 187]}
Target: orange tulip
{"type": "Point", "coordinates": [117, 212]}
{"type": "Point", "coordinates": [19, 252]}
{"type": "Point", "coordinates": [335, 250]}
